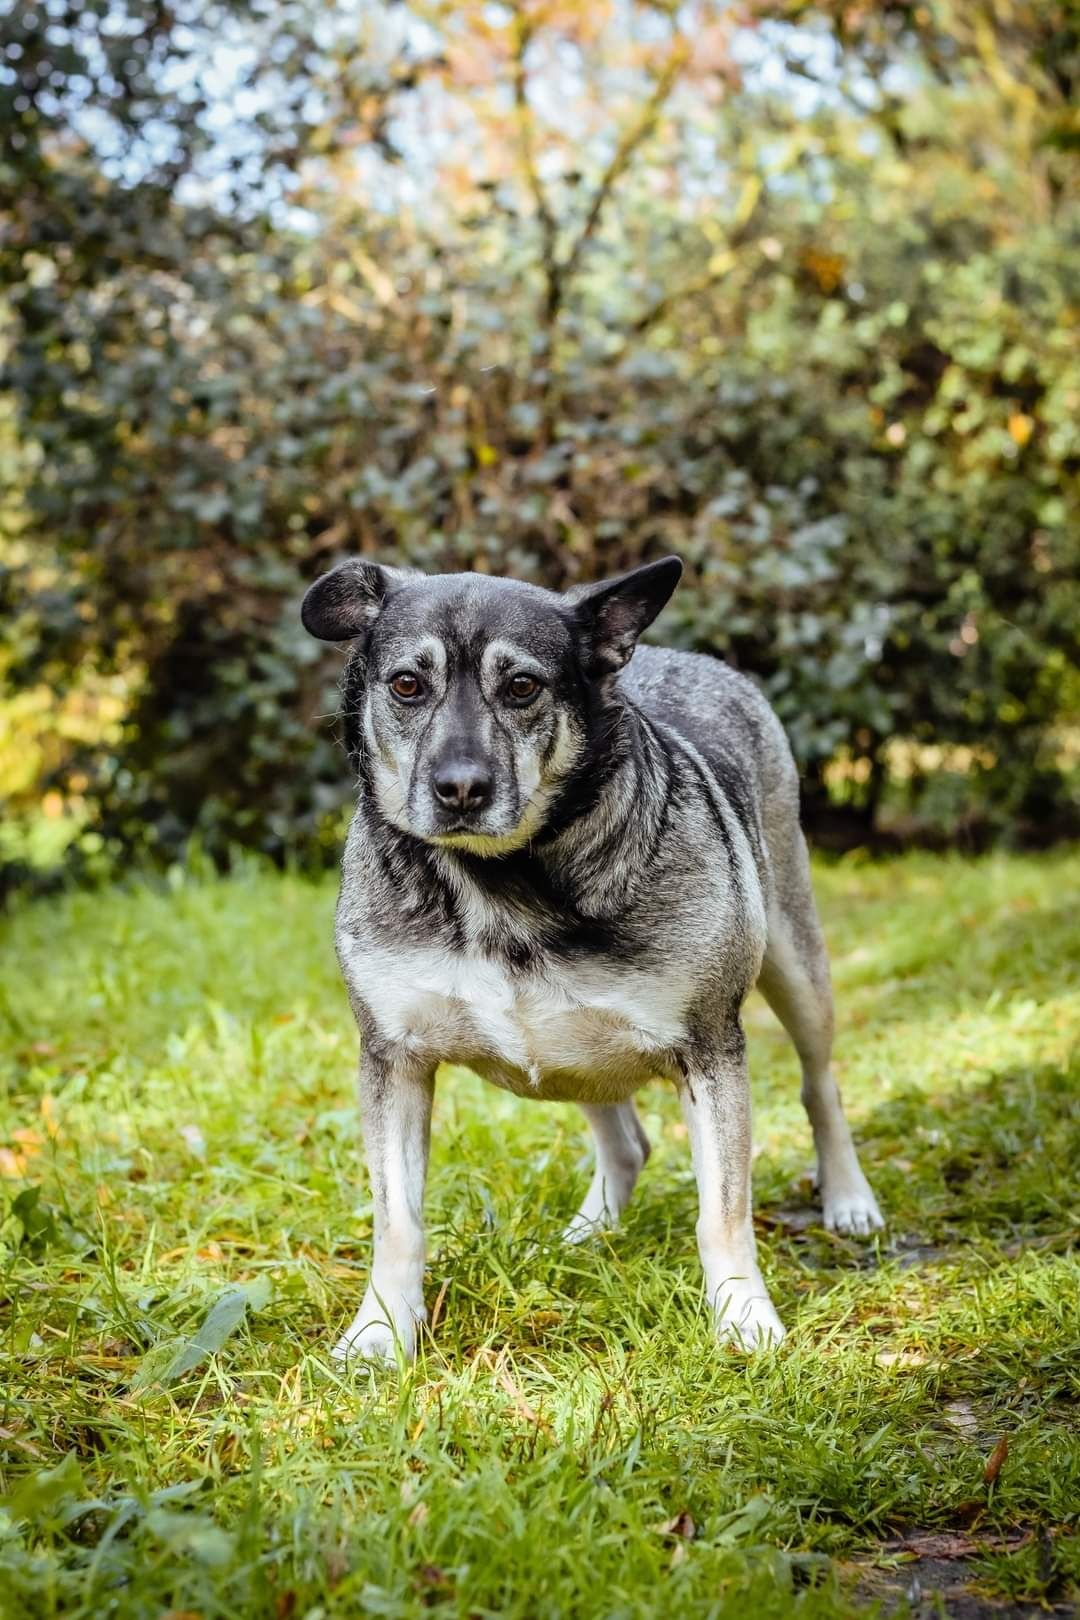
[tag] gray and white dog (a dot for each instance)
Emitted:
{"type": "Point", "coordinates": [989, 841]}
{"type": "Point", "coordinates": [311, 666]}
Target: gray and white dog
{"type": "Point", "coordinates": [570, 862]}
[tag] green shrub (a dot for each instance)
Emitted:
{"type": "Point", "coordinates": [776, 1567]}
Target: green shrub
{"type": "Point", "coordinates": [825, 350]}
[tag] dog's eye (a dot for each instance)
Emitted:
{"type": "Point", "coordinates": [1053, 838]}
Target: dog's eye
{"type": "Point", "coordinates": [407, 686]}
{"type": "Point", "coordinates": [522, 688]}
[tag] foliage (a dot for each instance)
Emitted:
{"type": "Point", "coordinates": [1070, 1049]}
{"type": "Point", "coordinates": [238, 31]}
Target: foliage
{"type": "Point", "coordinates": [572, 1441]}
{"type": "Point", "coordinates": [546, 289]}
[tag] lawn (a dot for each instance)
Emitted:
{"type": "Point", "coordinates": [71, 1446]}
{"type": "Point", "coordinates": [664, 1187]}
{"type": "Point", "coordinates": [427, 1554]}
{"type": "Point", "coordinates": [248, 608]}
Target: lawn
{"type": "Point", "coordinates": [185, 1231]}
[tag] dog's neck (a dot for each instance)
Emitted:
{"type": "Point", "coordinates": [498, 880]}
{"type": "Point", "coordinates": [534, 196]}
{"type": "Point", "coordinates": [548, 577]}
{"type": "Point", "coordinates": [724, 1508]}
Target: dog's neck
{"type": "Point", "coordinates": [608, 817]}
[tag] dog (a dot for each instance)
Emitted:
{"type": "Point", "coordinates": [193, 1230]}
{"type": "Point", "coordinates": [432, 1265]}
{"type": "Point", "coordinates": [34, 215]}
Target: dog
{"type": "Point", "coordinates": [572, 857]}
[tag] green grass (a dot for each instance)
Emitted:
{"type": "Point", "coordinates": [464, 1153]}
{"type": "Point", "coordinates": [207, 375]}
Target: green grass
{"type": "Point", "coordinates": [177, 1076]}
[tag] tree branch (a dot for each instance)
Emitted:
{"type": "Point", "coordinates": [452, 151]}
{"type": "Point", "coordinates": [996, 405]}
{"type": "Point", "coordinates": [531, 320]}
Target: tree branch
{"type": "Point", "coordinates": [549, 225]}
{"type": "Point", "coordinates": [625, 150]}
{"type": "Point", "coordinates": [739, 236]}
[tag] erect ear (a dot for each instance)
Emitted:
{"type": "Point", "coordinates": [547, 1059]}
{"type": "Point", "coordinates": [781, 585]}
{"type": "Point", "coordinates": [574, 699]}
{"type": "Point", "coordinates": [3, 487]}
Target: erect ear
{"type": "Point", "coordinates": [347, 601]}
{"type": "Point", "coordinates": [613, 614]}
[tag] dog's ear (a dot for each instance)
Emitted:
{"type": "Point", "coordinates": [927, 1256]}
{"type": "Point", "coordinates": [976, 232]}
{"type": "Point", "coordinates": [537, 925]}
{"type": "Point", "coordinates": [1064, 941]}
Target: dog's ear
{"type": "Point", "coordinates": [613, 614]}
{"type": "Point", "coordinates": [347, 601]}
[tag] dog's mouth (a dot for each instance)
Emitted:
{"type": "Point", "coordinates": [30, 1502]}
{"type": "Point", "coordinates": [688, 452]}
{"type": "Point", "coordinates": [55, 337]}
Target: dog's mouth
{"type": "Point", "coordinates": [461, 834]}
{"type": "Point", "coordinates": [469, 839]}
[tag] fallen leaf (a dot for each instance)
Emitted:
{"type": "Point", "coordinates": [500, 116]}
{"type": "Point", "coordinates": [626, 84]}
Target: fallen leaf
{"type": "Point", "coordinates": [521, 1405]}
{"type": "Point", "coordinates": [285, 1604]}
{"type": "Point", "coordinates": [17, 1440]}
{"type": "Point", "coordinates": [436, 1309]}
{"type": "Point", "coordinates": [901, 1358]}
{"type": "Point", "coordinates": [36, 1497]}
{"type": "Point", "coordinates": [1021, 427]}
{"type": "Point", "coordinates": [193, 1535]}
{"type": "Point", "coordinates": [544, 1319]}
{"type": "Point", "coordinates": [959, 1416]}
{"type": "Point", "coordinates": [432, 1575]}
{"type": "Point", "coordinates": [945, 1544]}
{"type": "Point", "coordinates": [681, 1527]}
{"type": "Point", "coordinates": [788, 1220]}
{"type": "Point", "coordinates": [194, 1140]}
{"type": "Point", "coordinates": [337, 1566]}
{"type": "Point", "coordinates": [222, 1319]}
{"type": "Point", "coordinates": [995, 1461]}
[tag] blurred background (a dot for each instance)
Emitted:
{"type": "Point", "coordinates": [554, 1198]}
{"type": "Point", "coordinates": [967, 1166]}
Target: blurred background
{"type": "Point", "coordinates": [545, 289]}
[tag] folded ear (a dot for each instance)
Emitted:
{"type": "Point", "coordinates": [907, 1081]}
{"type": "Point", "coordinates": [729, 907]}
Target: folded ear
{"type": "Point", "coordinates": [613, 614]}
{"type": "Point", "coordinates": [347, 601]}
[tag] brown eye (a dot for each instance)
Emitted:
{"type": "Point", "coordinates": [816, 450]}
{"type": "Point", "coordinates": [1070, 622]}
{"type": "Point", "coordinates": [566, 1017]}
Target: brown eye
{"type": "Point", "coordinates": [407, 687]}
{"type": "Point", "coordinates": [522, 689]}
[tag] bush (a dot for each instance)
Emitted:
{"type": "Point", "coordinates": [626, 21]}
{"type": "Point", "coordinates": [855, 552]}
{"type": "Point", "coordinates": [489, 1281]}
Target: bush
{"type": "Point", "coordinates": [824, 350]}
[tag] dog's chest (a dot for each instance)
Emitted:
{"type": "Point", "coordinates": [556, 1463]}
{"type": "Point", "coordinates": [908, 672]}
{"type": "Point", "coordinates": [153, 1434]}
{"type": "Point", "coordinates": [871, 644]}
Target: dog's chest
{"type": "Point", "coordinates": [588, 1031]}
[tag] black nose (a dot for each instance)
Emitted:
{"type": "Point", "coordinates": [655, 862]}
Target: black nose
{"type": "Point", "coordinates": [462, 785]}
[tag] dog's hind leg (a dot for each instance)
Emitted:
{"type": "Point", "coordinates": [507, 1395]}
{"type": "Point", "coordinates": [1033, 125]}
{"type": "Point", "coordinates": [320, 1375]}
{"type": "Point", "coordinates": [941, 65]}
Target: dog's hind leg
{"type": "Point", "coordinates": [795, 982]}
{"type": "Point", "coordinates": [621, 1150]}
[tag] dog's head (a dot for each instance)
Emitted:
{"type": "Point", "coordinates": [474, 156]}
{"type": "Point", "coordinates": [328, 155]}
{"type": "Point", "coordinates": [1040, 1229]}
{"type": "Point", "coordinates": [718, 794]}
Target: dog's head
{"type": "Point", "coordinates": [472, 700]}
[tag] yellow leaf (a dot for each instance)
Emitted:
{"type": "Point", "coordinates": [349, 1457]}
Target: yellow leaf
{"type": "Point", "coordinates": [48, 1115]}
{"type": "Point", "coordinates": [1021, 427]}
{"type": "Point", "coordinates": [748, 200]}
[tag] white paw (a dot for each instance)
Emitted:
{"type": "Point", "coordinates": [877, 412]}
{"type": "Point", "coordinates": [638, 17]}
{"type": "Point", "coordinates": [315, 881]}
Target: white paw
{"type": "Point", "coordinates": [371, 1338]}
{"type": "Point", "coordinates": [853, 1210]}
{"type": "Point", "coordinates": [745, 1316]}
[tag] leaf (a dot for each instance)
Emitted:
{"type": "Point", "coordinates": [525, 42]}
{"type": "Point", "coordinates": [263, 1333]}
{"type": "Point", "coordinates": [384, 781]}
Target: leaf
{"type": "Point", "coordinates": [681, 1527]}
{"type": "Point", "coordinates": [434, 1577]}
{"type": "Point", "coordinates": [192, 1534]}
{"type": "Point", "coordinates": [521, 1405]}
{"type": "Point", "coordinates": [743, 1522]}
{"type": "Point", "coordinates": [947, 1544]}
{"type": "Point", "coordinates": [39, 1494]}
{"type": "Point", "coordinates": [221, 1321]}
{"type": "Point", "coordinates": [996, 1460]}
{"type": "Point", "coordinates": [959, 1416]}
{"type": "Point", "coordinates": [39, 1224]}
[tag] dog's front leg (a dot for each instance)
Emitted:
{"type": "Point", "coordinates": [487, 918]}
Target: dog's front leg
{"type": "Point", "coordinates": [716, 1106]}
{"type": "Point", "coordinates": [395, 1107]}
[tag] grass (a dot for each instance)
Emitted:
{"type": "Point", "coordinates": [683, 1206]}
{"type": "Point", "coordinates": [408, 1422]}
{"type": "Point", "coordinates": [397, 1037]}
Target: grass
{"type": "Point", "coordinates": [185, 1231]}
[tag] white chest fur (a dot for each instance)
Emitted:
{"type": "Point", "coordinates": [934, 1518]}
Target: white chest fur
{"type": "Point", "coordinates": [589, 1032]}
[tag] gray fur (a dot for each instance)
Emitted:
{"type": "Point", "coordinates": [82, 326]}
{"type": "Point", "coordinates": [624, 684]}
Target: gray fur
{"type": "Point", "coordinates": [571, 894]}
